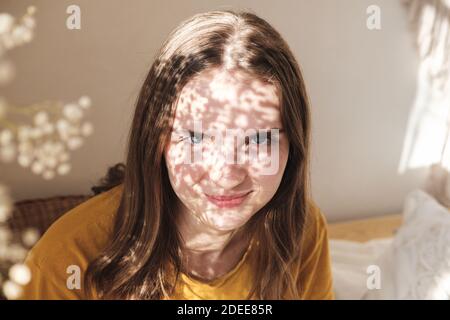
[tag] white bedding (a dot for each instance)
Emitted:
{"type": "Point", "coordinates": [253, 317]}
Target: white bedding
{"type": "Point", "coordinates": [414, 264]}
{"type": "Point", "coordinates": [349, 264]}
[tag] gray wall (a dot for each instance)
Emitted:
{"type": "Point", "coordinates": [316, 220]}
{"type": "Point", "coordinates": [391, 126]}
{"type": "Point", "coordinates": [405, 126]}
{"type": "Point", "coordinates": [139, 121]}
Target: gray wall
{"type": "Point", "coordinates": [362, 85]}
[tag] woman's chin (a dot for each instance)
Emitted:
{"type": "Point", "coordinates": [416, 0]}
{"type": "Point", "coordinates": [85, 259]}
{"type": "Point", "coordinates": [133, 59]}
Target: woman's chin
{"type": "Point", "coordinates": [226, 224]}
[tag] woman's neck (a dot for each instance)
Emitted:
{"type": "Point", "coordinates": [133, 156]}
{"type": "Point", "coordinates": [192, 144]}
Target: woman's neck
{"type": "Point", "coordinates": [208, 253]}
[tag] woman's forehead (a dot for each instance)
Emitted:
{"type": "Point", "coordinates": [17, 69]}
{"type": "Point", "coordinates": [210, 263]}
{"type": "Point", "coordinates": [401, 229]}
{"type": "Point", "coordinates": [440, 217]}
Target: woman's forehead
{"type": "Point", "coordinates": [224, 98]}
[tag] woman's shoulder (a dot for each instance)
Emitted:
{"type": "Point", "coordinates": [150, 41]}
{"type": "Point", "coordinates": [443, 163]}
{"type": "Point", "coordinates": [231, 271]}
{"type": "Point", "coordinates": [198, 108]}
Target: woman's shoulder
{"type": "Point", "coordinates": [315, 233]}
{"type": "Point", "coordinates": [80, 234]}
{"type": "Point", "coordinates": [58, 260]}
{"type": "Point", "coordinates": [315, 276]}
{"type": "Point", "coordinates": [315, 220]}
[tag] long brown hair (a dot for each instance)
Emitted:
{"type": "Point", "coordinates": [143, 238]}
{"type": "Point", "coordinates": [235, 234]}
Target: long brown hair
{"type": "Point", "coordinates": [143, 261]}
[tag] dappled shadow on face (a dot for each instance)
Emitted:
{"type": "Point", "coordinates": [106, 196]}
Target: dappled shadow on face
{"type": "Point", "coordinates": [227, 140]}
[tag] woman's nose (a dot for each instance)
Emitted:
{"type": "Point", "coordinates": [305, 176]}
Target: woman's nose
{"type": "Point", "coordinates": [228, 176]}
{"type": "Point", "coordinates": [225, 171]}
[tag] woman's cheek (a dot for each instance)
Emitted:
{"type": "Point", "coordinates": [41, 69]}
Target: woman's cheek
{"type": "Point", "coordinates": [190, 174]}
{"type": "Point", "coordinates": [183, 175]}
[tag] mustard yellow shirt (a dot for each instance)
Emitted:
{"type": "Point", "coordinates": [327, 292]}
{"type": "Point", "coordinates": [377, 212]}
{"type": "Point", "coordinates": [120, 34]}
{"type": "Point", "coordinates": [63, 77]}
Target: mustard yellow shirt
{"type": "Point", "coordinates": [79, 236]}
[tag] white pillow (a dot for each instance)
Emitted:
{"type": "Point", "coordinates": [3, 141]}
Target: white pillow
{"type": "Point", "coordinates": [417, 263]}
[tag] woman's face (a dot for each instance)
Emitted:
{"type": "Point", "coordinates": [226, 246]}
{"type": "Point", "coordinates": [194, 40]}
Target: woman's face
{"type": "Point", "coordinates": [224, 163]}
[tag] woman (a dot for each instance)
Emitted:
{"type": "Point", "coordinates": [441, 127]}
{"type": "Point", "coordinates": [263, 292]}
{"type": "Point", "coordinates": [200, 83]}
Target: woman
{"type": "Point", "coordinates": [190, 219]}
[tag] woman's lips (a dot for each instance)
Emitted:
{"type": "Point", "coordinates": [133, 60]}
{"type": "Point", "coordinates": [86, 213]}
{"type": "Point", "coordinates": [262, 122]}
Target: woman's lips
{"type": "Point", "coordinates": [227, 201]}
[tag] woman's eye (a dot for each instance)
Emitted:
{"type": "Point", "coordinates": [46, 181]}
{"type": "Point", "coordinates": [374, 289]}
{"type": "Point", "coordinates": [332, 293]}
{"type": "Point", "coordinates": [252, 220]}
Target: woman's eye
{"type": "Point", "coordinates": [191, 137]}
{"type": "Point", "coordinates": [258, 139]}
{"type": "Point", "coordinates": [195, 137]}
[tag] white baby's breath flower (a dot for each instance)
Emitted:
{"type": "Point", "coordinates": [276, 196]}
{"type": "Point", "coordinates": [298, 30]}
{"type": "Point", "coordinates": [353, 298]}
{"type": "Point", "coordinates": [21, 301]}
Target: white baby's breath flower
{"type": "Point", "coordinates": [6, 137]}
{"type": "Point", "coordinates": [36, 133]}
{"type": "Point", "coordinates": [31, 10]}
{"type": "Point", "coordinates": [14, 33]}
{"type": "Point", "coordinates": [85, 102]}
{"type": "Point", "coordinates": [48, 174]}
{"type": "Point", "coordinates": [47, 158]}
{"type": "Point", "coordinates": [74, 143]}
{"type": "Point", "coordinates": [26, 34]}
{"type": "Point", "coordinates": [87, 129]}
{"type": "Point", "coordinates": [20, 274]}
{"type": "Point", "coordinates": [24, 160]}
{"type": "Point", "coordinates": [24, 133]}
{"type": "Point", "coordinates": [37, 167]}
{"type": "Point", "coordinates": [29, 22]}
{"type": "Point", "coordinates": [41, 118]}
{"type": "Point", "coordinates": [26, 154]}
{"type": "Point", "coordinates": [11, 290]}
{"type": "Point", "coordinates": [50, 162]}
{"type": "Point", "coordinates": [63, 129]}
{"type": "Point", "coordinates": [44, 146]}
{"type": "Point", "coordinates": [30, 236]}
{"type": "Point", "coordinates": [62, 124]}
{"type": "Point", "coordinates": [6, 23]}
{"type": "Point", "coordinates": [18, 34]}
{"type": "Point", "coordinates": [72, 112]}
{"type": "Point", "coordinates": [5, 212]}
{"type": "Point", "coordinates": [64, 169]}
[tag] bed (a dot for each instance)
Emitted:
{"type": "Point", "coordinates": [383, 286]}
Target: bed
{"type": "Point", "coordinates": [399, 256]}
{"type": "Point", "coordinates": [355, 245]}
{"type": "Point", "coordinates": [362, 230]}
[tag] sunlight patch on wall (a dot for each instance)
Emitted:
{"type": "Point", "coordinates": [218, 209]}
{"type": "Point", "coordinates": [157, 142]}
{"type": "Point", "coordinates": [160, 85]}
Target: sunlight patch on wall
{"type": "Point", "coordinates": [426, 139]}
